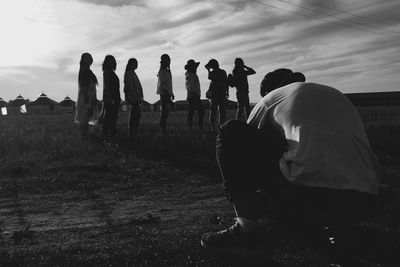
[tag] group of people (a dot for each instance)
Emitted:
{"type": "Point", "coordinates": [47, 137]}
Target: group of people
{"type": "Point", "coordinates": [87, 110]}
{"type": "Point", "coordinates": [302, 157]}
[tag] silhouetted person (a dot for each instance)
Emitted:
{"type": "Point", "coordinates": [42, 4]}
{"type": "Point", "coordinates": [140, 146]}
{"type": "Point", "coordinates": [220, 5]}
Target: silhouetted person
{"type": "Point", "coordinates": [164, 89]}
{"type": "Point", "coordinates": [193, 93]}
{"type": "Point", "coordinates": [111, 97]}
{"type": "Point", "coordinates": [133, 96]}
{"type": "Point", "coordinates": [309, 165]}
{"type": "Point", "coordinates": [240, 73]}
{"type": "Point", "coordinates": [86, 106]}
{"type": "Point", "coordinates": [219, 91]}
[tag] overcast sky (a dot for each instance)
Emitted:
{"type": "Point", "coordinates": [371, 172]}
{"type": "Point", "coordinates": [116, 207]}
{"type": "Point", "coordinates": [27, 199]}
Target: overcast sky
{"type": "Point", "coordinates": [353, 45]}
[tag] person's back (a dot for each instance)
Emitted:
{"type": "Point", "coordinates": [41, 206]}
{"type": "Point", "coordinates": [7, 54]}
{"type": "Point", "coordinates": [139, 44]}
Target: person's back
{"type": "Point", "coordinates": [219, 83]}
{"type": "Point", "coordinates": [328, 146]}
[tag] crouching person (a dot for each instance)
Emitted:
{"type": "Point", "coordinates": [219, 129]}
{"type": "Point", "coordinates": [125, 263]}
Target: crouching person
{"type": "Point", "coordinates": [308, 164]}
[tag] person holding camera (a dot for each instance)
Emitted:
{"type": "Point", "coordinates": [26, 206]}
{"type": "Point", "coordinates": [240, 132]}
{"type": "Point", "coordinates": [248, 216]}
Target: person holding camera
{"type": "Point", "coordinates": [217, 92]}
{"type": "Point", "coordinates": [164, 89]}
{"type": "Point", "coordinates": [240, 81]}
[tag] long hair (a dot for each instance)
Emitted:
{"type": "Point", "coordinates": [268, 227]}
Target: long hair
{"type": "Point", "coordinates": [109, 63]}
{"type": "Point", "coordinates": [130, 66]}
{"type": "Point", "coordinates": [85, 73]}
{"type": "Point", "coordinates": [165, 63]}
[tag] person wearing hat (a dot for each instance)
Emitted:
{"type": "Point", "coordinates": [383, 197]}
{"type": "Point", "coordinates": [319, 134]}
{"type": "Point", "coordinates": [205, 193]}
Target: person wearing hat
{"type": "Point", "coordinates": [164, 89]}
{"type": "Point", "coordinates": [240, 73]}
{"type": "Point", "coordinates": [193, 93]}
{"type": "Point", "coordinates": [309, 166]}
{"type": "Point", "coordinates": [217, 92]}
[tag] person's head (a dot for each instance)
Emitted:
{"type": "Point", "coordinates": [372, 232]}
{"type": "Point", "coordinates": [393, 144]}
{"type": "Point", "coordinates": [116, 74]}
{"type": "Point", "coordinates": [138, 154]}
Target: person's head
{"type": "Point", "coordinates": [85, 74]}
{"type": "Point", "coordinates": [212, 64]}
{"type": "Point", "coordinates": [293, 78]}
{"type": "Point", "coordinates": [131, 65]}
{"type": "Point", "coordinates": [239, 63]}
{"type": "Point", "coordinates": [86, 60]}
{"type": "Point", "coordinates": [109, 63]}
{"type": "Point", "coordinates": [165, 61]}
{"type": "Point", "coordinates": [273, 80]}
{"type": "Point", "coordinates": [191, 65]}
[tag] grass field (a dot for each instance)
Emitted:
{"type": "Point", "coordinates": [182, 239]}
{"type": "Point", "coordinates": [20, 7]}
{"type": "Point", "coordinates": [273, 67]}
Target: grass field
{"type": "Point", "coordinates": [67, 202]}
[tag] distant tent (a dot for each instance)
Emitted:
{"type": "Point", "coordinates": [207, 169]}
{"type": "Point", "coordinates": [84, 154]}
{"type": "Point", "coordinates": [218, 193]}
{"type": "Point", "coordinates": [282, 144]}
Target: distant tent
{"type": "Point", "coordinates": [157, 105]}
{"type": "Point", "coordinates": [145, 106]}
{"type": "Point", "coordinates": [44, 103]}
{"type": "Point", "coordinates": [231, 104]}
{"type": "Point", "coordinates": [18, 101]}
{"type": "Point", "coordinates": [67, 102]}
{"type": "Point", "coordinates": [181, 105]}
{"type": "Point", "coordinates": [2, 103]}
{"type": "Point", "coordinates": [43, 100]}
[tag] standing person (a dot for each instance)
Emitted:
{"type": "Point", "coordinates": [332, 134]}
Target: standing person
{"type": "Point", "coordinates": [164, 89]}
{"type": "Point", "coordinates": [86, 106]}
{"type": "Point", "coordinates": [318, 173]}
{"type": "Point", "coordinates": [111, 97]}
{"type": "Point", "coordinates": [240, 73]}
{"type": "Point", "coordinates": [218, 91]}
{"type": "Point", "coordinates": [193, 93]}
{"type": "Point", "coordinates": [133, 96]}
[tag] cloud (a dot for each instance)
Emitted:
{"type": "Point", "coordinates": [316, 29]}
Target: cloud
{"type": "Point", "coordinates": [116, 3]}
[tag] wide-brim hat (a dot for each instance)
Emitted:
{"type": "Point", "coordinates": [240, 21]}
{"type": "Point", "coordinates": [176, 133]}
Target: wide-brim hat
{"type": "Point", "coordinates": [191, 64]}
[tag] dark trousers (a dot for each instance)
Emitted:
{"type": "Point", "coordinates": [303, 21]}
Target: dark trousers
{"type": "Point", "coordinates": [110, 119]}
{"type": "Point", "coordinates": [166, 105]}
{"type": "Point", "coordinates": [217, 104]}
{"type": "Point", "coordinates": [243, 105]}
{"type": "Point", "coordinates": [134, 118]}
{"type": "Point", "coordinates": [249, 163]}
{"type": "Point", "coordinates": [194, 103]}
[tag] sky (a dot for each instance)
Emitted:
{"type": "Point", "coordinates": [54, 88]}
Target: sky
{"type": "Point", "coordinates": [352, 45]}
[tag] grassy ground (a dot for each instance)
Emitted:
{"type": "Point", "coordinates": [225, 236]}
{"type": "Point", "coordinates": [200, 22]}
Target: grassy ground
{"type": "Point", "coordinates": [66, 202]}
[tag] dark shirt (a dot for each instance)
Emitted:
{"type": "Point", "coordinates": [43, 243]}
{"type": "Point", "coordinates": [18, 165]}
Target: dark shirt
{"type": "Point", "coordinates": [242, 84]}
{"type": "Point", "coordinates": [219, 83]}
{"type": "Point", "coordinates": [111, 87]}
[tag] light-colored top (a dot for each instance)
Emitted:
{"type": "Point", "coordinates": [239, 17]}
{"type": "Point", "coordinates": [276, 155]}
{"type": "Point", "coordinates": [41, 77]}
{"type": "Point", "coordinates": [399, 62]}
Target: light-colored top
{"type": "Point", "coordinates": [133, 88]}
{"type": "Point", "coordinates": [86, 105]}
{"type": "Point", "coordinates": [328, 145]}
{"type": "Point", "coordinates": [164, 84]}
{"type": "Point", "coordinates": [192, 84]}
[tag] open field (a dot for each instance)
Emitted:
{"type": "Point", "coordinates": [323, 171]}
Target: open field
{"type": "Point", "coordinates": [66, 202]}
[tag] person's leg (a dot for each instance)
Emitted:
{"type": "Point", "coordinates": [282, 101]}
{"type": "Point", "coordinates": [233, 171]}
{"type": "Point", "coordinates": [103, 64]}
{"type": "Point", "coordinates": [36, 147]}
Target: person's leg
{"type": "Point", "coordinates": [164, 113]}
{"type": "Point", "coordinates": [222, 111]}
{"type": "Point", "coordinates": [137, 114]}
{"type": "Point", "coordinates": [244, 172]}
{"type": "Point", "coordinates": [200, 112]}
{"type": "Point", "coordinates": [240, 107]}
{"type": "Point", "coordinates": [106, 122]}
{"type": "Point", "coordinates": [131, 120]}
{"type": "Point", "coordinates": [114, 119]}
{"type": "Point", "coordinates": [84, 127]}
{"type": "Point", "coordinates": [213, 114]}
{"type": "Point", "coordinates": [246, 105]}
{"type": "Point", "coordinates": [191, 108]}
